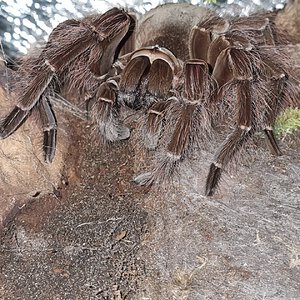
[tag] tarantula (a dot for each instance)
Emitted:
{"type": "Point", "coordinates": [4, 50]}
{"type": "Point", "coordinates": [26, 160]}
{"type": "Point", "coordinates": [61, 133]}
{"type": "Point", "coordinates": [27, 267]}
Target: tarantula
{"type": "Point", "coordinates": [232, 67]}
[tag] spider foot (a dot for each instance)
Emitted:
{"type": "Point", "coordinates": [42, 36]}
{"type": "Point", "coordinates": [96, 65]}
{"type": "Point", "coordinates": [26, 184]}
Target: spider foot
{"type": "Point", "coordinates": [12, 122]}
{"type": "Point", "coordinates": [272, 143]}
{"type": "Point", "coordinates": [113, 132]}
{"type": "Point", "coordinates": [212, 180]}
{"type": "Point", "coordinates": [123, 133]}
{"type": "Point", "coordinates": [145, 179]}
{"type": "Point", "coordinates": [49, 145]}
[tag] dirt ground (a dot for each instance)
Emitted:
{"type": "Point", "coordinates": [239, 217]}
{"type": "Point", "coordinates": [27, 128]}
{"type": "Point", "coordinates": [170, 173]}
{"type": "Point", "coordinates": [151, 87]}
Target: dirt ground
{"type": "Point", "coordinates": [101, 237]}
{"type": "Point", "coordinates": [82, 241]}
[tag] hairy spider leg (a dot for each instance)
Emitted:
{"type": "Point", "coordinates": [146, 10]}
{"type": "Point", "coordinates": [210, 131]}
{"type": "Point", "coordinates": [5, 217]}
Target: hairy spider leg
{"type": "Point", "coordinates": [234, 69]}
{"type": "Point", "coordinates": [183, 117]}
{"type": "Point", "coordinates": [49, 127]}
{"type": "Point", "coordinates": [235, 141]}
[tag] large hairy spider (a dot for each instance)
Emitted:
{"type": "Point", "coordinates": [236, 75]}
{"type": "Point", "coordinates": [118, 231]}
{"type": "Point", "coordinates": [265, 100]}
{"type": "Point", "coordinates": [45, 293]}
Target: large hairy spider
{"type": "Point", "coordinates": [227, 67]}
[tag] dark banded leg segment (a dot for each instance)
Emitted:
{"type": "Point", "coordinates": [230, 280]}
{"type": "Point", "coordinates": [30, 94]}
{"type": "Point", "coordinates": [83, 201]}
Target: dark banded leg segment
{"type": "Point", "coordinates": [272, 142]}
{"type": "Point", "coordinates": [105, 112]}
{"type": "Point", "coordinates": [13, 121]}
{"type": "Point", "coordinates": [50, 129]}
{"type": "Point", "coordinates": [235, 140]}
{"type": "Point", "coordinates": [232, 145]}
{"type": "Point", "coordinates": [279, 91]}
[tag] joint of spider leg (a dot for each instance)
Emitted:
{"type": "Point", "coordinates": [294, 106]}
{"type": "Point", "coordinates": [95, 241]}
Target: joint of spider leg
{"type": "Point", "coordinates": [270, 128]}
{"type": "Point", "coordinates": [238, 45]}
{"type": "Point", "coordinates": [173, 157]}
{"type": "Point", "coordinates": [115, 69]}
{"type": "Point", "coordinates": [245, 77]}
{"type": "Point", "coordinates": [50, 127]}
{"type": "Point", "coordinates": [218, 165]}
{"type": "Point", "coordinates": [113, 83]}
{"type": "Point", "coordinates": [97, 34]}
{"type": "Point", "coordinates": [119, 65]}
{"type": "Point", "coordinates": [284, 75]}
{"type": "Point", "coordinates": [51, 67]}
{"type": "Point", "coordinates": [245, 128]}
{"type": "Point", "coordinates": [88, 97]}
{"type": "Point", "coordinates": [100, 78]}
{"type": "Point", "coordinates": [152, 111]}
{"type": "Point", "coordinates": [110, 101]}
{"type": "Point", "coordinates": [101, 23]}
{"type": "Point", "coordinates": [194, 102]}
{"type": "Point", "coordinates": [175, 98]}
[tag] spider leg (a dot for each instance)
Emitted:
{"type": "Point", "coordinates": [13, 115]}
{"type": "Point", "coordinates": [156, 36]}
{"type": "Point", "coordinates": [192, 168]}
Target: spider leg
{"type": "Point", "coordinates": [183, 117]}
{"type": "Point", "coordinates": [197, 90]}
{"type": "Point", "coordinates": [161, 78]}
{"type": "Point", "coordinates": [236, 140]}
{"type": "Point", "coordinates": [50, 129]}
{"type": "Point", "coordinates": [233, 70]}
{"type": "Point", "coordinates": [199, 41]}
{"type": "Point", "coordinates": [232, 145]}
{"type": "Point", "coordinates": [176, 148]}
{"type": "Point", "coordinates": [247, 56]}
{"type": "Point", "coordinates": [13, 121]}
{"type": "Point", "coordinates": [259, 26]}
{"type": "Point", "coordinates": [17, 117]}
{"type": "Point", "coordinates": [128, 45]}
{"type": "Point", "coordinates": [105, 110]}
{"type": "Point", "coordinates": [272, 113]}
{"type": "Point", "coordinates": [19, 113]}
{"type": "Point", "coordinates": [203, 34]}
{"type": "Point", "coordinates": [272, 142]}
{"type": "Point", "coordinates": [154, 124]}
{"type": "Point", "coordinates": [283, 94]}
{"type": "Point", "coordinates": [145, 83]}
{"type": "Point", "coordinates": [179, 142]}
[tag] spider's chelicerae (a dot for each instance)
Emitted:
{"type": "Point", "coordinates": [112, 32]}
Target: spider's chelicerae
{"type": "Point", "coordinates": [184, 75]}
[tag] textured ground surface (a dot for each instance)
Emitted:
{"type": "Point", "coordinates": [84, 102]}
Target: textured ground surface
{"type": "Point", "coordinates": [82, 242]}
{"type": "Point", "coordinates": [242, 244]}
{"type": "Point", "coordinates": [100, 237]}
